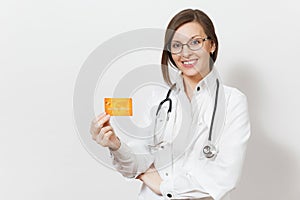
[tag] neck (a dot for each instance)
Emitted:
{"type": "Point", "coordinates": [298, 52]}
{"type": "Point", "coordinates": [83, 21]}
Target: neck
{"type": "Point", "coordinates": [191, 82]}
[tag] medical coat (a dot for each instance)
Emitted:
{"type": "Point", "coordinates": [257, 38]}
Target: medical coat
{"type": "Point", "coordinates": [185, 171]}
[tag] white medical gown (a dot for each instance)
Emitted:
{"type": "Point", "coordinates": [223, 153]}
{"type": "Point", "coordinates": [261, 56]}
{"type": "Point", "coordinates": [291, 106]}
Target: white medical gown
{"type": "Point", "coordinates": [186, 173]}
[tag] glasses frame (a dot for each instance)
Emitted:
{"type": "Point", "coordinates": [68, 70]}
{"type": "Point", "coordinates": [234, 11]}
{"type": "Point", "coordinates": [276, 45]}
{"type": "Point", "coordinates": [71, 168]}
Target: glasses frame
{"type": "Point", "coordinates": [187, 44]}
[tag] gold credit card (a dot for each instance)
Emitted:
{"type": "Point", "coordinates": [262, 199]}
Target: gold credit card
{"type": "Point", "coordinates": [118, 106]}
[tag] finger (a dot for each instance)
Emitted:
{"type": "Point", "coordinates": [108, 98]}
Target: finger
{"type": "Point", "coordinates": [105, 129]}
{"type": "Point", "coordinates": [98, 124]}
{"type": "Point", "coordinates": [92, 131]}
{"type": "Point", "coordinates": [101, 115]}
{"type": "Point", "coordinates": [99, 138]}
{"type": "Point", "coordinates": [99, 127]}
{"type": "Point", "coordinates": [95, 133]}
{"type": "Point", "coordinates": [102, 132]}
{"type": "Point", "coordinates": [95, 128]}
{"type": "Point", "coordinates": [104, 120]}
{"type": "Point", "coordinates": [107, 136]}
{"type": "Point", "coordinates": [98, 117]}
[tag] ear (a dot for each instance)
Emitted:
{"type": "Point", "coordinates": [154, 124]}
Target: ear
{"type": "Point", "coordinates": [213, 47]}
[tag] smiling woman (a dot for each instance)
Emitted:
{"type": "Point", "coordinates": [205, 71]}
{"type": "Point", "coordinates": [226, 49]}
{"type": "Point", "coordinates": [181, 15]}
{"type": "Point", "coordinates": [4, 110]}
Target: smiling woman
{"type": "Point", "coordinates": [201, 146]}
{"type": "Point", "coordinates": [185, 25]}
{"type": "Point", "coordinates": [191, 49]}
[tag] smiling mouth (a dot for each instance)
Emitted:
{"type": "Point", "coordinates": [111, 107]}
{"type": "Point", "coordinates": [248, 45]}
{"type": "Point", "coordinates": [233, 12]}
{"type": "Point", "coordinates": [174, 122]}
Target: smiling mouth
{"type": "Point", "coordinates": [189, 63]}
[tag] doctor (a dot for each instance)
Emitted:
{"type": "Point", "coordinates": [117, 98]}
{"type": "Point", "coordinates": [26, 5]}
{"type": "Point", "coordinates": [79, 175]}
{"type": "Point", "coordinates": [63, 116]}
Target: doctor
{"type": "Point", "coordinates": [191, 46]}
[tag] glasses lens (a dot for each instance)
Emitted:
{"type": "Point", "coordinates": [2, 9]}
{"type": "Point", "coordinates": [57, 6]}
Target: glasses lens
{"type": "Point", "coordinates": [195, 43]}
{"type": "Point", "coordinates": [175, 47]}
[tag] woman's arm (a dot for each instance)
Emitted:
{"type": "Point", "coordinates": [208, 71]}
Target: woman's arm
{"type": "Point", "coordinates": [131, 164]}
{"type": "Point", "coordinates": [152, 179]}
{"type": "Point", "coordinates": [128, 163]}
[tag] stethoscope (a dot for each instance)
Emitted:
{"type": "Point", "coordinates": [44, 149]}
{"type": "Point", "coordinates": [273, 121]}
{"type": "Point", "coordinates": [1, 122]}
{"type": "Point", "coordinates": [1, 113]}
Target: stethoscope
{"type": "Point", "coordinates": [209, 150]}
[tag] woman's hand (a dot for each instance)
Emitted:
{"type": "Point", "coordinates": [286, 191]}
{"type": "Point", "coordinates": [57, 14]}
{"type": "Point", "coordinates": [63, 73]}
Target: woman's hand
{"type": "Point", "coordinates": [103, 133]}
{"type": "Point", "coordinates": [152, 179]}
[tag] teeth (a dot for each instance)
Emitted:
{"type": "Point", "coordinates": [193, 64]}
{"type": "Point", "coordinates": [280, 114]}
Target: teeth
{"type": "Point", "coordinates": [188, 62]}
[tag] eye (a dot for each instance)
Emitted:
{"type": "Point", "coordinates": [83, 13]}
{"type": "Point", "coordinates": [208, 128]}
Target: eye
{"type": "Point", "coordinates": [175, 45]}
{"type": "Point", "coordinates": [196, 41]}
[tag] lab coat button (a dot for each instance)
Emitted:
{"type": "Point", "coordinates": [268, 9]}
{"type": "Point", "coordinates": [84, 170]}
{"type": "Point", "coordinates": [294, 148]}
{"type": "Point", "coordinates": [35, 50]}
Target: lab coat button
{"type": "Point", "coordinates": [198, 88]}
{"type": "Point", "coordinates": [169, 195]}
{"type": "Point", "coordinates": [167, 174]}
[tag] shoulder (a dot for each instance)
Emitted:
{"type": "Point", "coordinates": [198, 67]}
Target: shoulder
{"type": "Point", "coordinates": [232, 91]}
{"type": "Point", "coordinates": [235, 99]}
{"type": "Point", "coordinates": [234, 94]}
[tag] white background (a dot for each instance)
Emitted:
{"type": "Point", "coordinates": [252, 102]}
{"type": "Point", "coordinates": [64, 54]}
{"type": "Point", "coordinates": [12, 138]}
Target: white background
{"type": "Point", "coordinates": [44, 43]}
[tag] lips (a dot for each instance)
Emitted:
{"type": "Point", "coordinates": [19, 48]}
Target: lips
{"type": "Point", "coordinates": [189, 63]}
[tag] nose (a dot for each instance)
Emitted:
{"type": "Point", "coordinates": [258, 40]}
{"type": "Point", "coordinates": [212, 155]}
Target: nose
{"type": "Point", "coordinates": [186, 52]}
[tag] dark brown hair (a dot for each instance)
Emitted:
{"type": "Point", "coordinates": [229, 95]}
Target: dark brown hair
{"type": "Point", "coordinates": [183, 17]}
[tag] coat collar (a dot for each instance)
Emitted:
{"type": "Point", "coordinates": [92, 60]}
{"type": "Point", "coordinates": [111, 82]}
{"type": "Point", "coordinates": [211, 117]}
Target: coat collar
{"type": "Point", "coordinates": [208, 83]}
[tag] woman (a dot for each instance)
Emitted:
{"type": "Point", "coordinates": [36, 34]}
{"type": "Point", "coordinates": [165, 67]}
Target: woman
{"type": "Point", "coordinates": [191, 46]}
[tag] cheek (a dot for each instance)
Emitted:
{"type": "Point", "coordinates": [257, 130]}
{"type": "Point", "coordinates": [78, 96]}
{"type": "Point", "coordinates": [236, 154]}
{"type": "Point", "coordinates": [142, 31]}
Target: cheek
{"type": "Point", "coordinates": [207, 48]}
{"type": "Point", "coordinates": [176, 58]}
{"type": "Point", "coordinates": [204, 53]}
{"type": "Point", "coordinates": [201, 54]}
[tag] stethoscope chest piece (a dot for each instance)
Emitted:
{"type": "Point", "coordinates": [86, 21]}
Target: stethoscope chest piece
{"type": "Point", "coordinates": [209, 151]}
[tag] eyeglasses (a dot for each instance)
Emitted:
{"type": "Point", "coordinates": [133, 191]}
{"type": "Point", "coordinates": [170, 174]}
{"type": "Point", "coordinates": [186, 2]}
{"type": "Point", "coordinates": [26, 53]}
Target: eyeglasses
{"type": "Point", "coordinates": [194, 44]}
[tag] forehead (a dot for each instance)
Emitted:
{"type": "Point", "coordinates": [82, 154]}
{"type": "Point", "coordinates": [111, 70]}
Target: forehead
{"type": "Point", "coordinates": [188, 30]}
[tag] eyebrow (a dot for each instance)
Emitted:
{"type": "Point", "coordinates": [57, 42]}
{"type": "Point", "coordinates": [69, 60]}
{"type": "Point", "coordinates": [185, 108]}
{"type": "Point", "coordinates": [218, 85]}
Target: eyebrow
{"type": "Point", "coordinates": [190, 38]}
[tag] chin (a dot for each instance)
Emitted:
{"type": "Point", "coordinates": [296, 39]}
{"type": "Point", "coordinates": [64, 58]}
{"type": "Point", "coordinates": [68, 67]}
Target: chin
{"type": "Point", "coordinates": [192, 72]}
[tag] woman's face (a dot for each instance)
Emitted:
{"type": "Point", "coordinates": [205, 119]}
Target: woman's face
{"type": "Point", "coordinates": [193, 63]}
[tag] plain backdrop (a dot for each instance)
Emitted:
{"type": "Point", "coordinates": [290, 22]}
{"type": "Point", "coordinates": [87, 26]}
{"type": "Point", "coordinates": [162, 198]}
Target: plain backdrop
{"type": "Point", "coordinates": [43, 45]}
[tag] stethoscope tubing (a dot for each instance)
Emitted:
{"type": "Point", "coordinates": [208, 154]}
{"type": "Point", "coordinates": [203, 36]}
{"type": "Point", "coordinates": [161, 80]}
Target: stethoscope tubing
{"type": "Point", "coordinates": [214, 111]}
{"type": "Point", "coordinates": [209, 150]}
